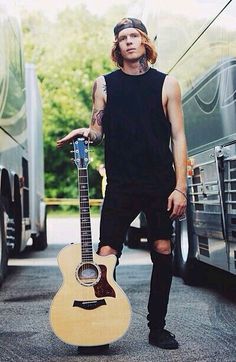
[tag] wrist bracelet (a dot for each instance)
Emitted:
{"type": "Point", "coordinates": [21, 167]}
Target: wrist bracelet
{"type": "Point", "coordinates": [181, 193]}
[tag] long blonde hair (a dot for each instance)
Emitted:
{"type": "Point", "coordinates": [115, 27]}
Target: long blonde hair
{"type": "Point", "coordinates": [151, 52]}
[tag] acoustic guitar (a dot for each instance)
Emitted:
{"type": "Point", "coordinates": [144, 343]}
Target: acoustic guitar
{"type": "Point", "coordinates": [90, 309]}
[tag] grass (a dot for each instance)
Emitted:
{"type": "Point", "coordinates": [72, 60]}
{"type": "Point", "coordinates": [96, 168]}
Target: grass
{"type": "Point", "coordinates": [59, 211]}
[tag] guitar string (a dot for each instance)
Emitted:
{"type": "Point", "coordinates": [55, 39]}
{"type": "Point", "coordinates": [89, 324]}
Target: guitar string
{"type": "Point", "coordinates": [83, 213]}
{"type": "Point", "coordinates": [86, 240]}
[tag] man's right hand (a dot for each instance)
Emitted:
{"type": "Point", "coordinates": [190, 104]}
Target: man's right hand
{"type": "Point", "coordinates": [83, 132]}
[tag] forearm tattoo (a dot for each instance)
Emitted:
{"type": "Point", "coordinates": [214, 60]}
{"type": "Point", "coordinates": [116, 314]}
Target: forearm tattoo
{"type": "Point", "coordinates": [143, 64]}
{"type": "Point", "coordinates": [97, 117]}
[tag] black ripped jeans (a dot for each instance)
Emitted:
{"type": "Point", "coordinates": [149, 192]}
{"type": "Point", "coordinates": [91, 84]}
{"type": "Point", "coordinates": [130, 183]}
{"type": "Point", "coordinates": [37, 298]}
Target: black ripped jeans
{"type": "Point", "coordinates": [121, 205]}
{"type": "Point", "coordinates": [159, 289]}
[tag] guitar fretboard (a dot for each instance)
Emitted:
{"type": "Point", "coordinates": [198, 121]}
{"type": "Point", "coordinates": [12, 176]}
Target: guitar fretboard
{"type": "Point", "coordinates": [85, 223]}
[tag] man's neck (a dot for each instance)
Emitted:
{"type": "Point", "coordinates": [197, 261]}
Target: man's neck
{"type": "Point", "coordinates": [136, 68]}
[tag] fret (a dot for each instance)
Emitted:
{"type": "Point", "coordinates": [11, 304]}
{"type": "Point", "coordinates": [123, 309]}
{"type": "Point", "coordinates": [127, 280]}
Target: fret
{"type": "Point", "coordinates": [86, 244]}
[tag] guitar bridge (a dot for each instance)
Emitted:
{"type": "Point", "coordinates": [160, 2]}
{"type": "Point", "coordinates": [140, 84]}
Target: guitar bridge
{"type": "Point", "coordinates": [89, 304]}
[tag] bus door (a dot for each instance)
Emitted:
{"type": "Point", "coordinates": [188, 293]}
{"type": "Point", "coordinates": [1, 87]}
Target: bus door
{"type": "Point", "coordinates": [208, 209]}
{"type": "Point", "coordinates": [228, 156]}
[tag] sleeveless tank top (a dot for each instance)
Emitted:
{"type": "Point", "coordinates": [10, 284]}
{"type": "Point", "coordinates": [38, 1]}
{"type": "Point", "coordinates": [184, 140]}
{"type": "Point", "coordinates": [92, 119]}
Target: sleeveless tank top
{"type": "Point", "coordinates": [137, 132]}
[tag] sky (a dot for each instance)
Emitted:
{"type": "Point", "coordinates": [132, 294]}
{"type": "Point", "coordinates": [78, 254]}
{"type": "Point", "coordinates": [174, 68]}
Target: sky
{"type": "Point", "coordinates": [195, 9]}
{"type": "Point", "coordinates": [51, 7]}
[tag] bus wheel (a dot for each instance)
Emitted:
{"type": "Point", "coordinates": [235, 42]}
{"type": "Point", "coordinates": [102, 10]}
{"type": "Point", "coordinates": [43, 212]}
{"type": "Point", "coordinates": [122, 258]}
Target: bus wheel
{"type": "Point", "coordinates": [186, 264]}
{"type": "Point", "coordinates": [133, 238]}
{"type": "Point", "coordinates": [40, 240]}
{"type": "Point", "coordinates": [3, 246]}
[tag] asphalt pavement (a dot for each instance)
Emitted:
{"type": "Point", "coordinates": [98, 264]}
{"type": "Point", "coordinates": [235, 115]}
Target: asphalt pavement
{"type": "Point", "coordinates": [203, 318]}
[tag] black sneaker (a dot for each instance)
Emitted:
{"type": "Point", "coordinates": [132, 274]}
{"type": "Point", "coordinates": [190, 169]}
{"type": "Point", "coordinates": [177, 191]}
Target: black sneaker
{"type": "Point", "coordinates": [163, 339]}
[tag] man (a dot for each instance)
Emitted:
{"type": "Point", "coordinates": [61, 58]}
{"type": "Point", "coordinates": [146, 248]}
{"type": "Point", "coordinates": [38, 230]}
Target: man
{"type": "Point", "coordinates": [138, 109]}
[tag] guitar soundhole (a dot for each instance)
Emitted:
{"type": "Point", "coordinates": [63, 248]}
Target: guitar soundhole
{"type": "Point", "coordinates": [88, 274]}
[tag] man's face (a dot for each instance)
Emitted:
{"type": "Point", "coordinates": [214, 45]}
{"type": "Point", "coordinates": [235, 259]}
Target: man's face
{"type": "Point", "coordinates": [130, 43]}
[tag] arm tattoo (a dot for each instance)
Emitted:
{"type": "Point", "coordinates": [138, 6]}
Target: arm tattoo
{"type": "Point", "coordinates": [97, 117]}
{"type": "Point", "coordinates": [143, 64]}
{"type": "Point", "coordinates": [94, 90]}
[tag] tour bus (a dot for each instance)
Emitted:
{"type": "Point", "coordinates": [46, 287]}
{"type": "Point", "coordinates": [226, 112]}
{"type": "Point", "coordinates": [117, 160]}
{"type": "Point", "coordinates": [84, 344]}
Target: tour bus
{"type": "Point", "coordinates": [201, 54]}
{"type": "Point", "coordinates": [22, 207]}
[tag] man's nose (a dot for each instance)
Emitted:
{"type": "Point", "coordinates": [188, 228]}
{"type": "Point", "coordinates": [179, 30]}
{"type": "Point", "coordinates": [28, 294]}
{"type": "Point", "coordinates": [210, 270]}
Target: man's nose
{"type": "Point", "coordinates": [129, 40]}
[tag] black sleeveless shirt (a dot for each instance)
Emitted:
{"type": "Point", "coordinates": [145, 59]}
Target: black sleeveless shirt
{"type": "Point", "coordinates": [137, 132]}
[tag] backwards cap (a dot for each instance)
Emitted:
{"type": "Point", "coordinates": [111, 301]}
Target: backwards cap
{"type": "Point", "coordinates": [129, 23]}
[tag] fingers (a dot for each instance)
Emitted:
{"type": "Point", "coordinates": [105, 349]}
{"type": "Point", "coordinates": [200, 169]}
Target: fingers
{"type": "Point", "coordinates": [177, 212]}
{"type": "Point", "coordinates": [177, 205]}
{"type": "Point", "coordinates": [66, 139]}
{"type": "Point", "coordinates": [62, 141]}
{"type": "Point", "coordinates": [86, 133]}
{"type": "Point", "coordinates": [70, 136]}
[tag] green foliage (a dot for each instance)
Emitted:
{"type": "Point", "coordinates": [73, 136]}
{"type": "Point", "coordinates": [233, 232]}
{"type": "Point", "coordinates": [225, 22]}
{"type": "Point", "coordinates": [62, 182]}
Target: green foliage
{"type": "Point", "coordinates": [70, 54]}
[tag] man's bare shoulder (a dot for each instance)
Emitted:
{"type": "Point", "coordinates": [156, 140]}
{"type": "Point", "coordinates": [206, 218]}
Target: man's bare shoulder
{"type": "Point", "coordinates": [171, 81]}
{"type": "Point", "coordinates": [100, 86]}
{"type": "Point", "coordinates": [171, 86]}
{"type": "Point", "coordinates": [100, 79]}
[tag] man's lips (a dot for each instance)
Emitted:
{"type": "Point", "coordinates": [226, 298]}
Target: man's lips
{"type": "Point", "coordinates": [130, 50]}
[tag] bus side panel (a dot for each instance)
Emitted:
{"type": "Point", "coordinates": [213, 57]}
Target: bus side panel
{"type": "Point", "coordinates": [36, 162]}
{"type": "Point", "coordinates": [229, 160]}
{"type": "Point", "coordinates": [207, 210]}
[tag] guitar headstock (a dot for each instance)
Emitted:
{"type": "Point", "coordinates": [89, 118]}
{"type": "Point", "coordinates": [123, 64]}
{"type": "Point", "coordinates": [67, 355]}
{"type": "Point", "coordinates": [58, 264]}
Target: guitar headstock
{"type": "Point", "coordinates": [81, 155]}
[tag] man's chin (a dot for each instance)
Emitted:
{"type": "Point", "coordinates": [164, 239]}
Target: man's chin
{"type": "Point", "coordinates": [131, 59]}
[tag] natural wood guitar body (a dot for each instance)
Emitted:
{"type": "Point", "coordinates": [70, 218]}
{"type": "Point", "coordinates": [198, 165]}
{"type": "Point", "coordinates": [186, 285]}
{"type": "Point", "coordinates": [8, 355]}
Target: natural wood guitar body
{"type": "Point", "coordinates": [88, 315]}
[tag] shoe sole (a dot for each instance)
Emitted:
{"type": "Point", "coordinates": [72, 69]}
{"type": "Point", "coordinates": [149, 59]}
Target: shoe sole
{"type": "Point", "coordinates": [163, 347]}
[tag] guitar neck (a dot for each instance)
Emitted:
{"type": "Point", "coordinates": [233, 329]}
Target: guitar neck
{"type": "Point", "coordinates": [85, 220]}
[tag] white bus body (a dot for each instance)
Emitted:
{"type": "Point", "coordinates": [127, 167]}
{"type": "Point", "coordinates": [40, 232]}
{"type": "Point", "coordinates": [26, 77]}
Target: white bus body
{"type": "Point", "coordinates": [22, 209]}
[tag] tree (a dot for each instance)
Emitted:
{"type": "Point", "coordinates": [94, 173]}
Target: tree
{"type": "Point", "coordinates": [70, 54]}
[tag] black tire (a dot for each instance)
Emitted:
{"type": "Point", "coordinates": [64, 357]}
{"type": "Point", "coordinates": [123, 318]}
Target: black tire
{"type": "Point", "coordinates": [3, 247]}
{"type": "Point", "coordinates": [40, 240]}
{"type": "Point", "coordinates": [186, 264]}
{"type": "Point", "coordinates": [133, 238]}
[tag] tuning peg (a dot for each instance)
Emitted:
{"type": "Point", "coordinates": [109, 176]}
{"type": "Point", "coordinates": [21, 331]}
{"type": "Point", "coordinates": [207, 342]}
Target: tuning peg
{"type": "Point", "coordinates": [72, 151]}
